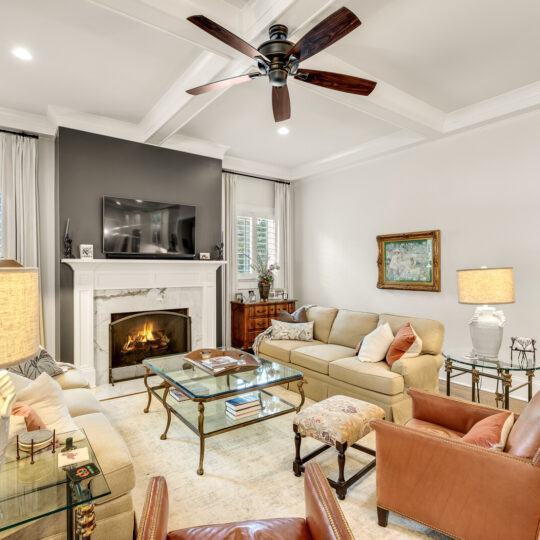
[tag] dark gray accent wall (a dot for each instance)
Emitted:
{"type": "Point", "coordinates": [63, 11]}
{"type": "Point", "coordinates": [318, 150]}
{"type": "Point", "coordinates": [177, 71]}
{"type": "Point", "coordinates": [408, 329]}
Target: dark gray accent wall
{"type": "Point", "coordinates": [90, 166]}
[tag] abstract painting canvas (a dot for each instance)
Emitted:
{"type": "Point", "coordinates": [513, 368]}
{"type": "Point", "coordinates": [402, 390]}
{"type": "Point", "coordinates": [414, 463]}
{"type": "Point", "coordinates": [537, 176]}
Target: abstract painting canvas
{"type": "Point", "coordinates": [410, 261]}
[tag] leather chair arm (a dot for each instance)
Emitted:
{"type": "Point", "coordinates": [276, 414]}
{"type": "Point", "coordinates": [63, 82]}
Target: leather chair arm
{"type": "Point", "coordinates": [324, 517]}
{"type": "Point", "coordinates": [420, 372]}
{"type": "Point", "coordinates": [458, 488]}
{"type": "Point", "coordinates": [154, 519]}
{"type": "Point", "coordinates": [447, 411]}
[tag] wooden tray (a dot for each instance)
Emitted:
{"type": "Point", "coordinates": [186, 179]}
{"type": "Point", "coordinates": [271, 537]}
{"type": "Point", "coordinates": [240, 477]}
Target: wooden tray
{"type": "Point", "coordinates": [251, 362]}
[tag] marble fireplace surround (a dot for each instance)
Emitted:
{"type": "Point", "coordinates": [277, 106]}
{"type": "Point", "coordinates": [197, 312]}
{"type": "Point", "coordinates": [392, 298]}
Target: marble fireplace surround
{"type": "Point", "coordinates": [105, 286]}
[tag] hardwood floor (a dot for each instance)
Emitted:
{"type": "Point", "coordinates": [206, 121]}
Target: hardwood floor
{"type": "Point", "coordinates": [486, 398]}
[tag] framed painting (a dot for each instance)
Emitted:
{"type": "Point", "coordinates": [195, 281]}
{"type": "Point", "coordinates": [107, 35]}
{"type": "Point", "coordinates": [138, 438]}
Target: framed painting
{"type": "Point", "coordinates": [410, 261]}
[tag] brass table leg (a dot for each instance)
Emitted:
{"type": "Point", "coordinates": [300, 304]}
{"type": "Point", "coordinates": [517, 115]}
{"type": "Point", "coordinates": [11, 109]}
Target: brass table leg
{"type": "Point", "coordinates": [475, 385]}
{"type": "Point", "coordinates": [301, 391]}
{"type": "Point", "coordinates": [147, 389]}
{"type": "Point", "coordinates": [530, 375]}
{"type": "Point", "coordinates": [85, 520]}
{"type": "Point", "coordinates": [507, 384]}
{"type": "Point", "coordinates": [164, 401]}
{"type": "Point", "coordinates": [448, 369]}
{"type": "Point", "coordinates": [200, 470]}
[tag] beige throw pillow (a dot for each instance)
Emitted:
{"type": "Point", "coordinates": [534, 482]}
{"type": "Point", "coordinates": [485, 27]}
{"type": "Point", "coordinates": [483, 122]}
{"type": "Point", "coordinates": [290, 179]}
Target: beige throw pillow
{"type": "Point", "coordinates": [375, 344]}
{"type": "Point", "coordinates": [45, 396]}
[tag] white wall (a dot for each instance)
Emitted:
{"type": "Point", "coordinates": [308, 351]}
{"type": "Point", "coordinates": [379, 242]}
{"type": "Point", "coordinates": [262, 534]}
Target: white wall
{"type": "Point", "coordinates": [47, 216]}
{"type": "Point", "coordinates": [480, 188]}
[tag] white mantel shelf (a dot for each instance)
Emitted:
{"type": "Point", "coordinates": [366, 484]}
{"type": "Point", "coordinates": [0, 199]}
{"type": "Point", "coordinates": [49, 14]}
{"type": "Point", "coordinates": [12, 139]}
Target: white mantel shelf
{"type": "Point", "coordinates": [90, 275]}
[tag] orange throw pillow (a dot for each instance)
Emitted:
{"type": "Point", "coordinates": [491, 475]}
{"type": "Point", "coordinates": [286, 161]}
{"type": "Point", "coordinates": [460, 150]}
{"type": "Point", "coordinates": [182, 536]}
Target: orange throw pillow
{"type": "Point", "coordinates": [31, 417]}
{"type": "Point", "coordinates": [491, 432]}
{"type": "Point", "coordinates": [406, 344]}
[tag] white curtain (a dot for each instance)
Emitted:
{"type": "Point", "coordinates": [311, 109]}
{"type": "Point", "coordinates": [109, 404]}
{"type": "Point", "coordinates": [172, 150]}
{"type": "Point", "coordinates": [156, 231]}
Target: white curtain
{"type": "Point", "coordinates": [18, 189]}
{"type": "Point", "coordinates": [230, 269]}
{"type": "Point", "coordinates": [283, 205]}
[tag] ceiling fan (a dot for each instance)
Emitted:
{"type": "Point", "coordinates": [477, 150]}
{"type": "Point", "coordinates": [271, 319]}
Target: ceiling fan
{"type": "Point", "coordinates": [278, 58]}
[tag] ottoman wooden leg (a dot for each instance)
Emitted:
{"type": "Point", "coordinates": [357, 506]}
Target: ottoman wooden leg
{"type": "Point", "coordinates": [382, 515]}
{"type": "Point", "coordinates": [297, 464]}
{"type": "Point", "coordinates": [341, 489]}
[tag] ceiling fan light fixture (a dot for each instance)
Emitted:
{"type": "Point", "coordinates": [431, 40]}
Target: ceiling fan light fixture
{"type": "Point", "coordinates": [283, 130]}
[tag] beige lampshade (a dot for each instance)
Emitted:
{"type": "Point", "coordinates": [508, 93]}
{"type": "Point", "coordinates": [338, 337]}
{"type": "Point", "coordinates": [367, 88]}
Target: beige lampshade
{"type": "Point", "coordinates": [19, 314]}
{"type": "Point", "coordinates": [486, 286]}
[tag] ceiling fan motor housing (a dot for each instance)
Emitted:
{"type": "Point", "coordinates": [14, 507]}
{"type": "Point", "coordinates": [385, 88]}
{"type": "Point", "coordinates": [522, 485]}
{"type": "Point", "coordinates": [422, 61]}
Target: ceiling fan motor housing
{"type": "Point", "coordinates": [275, 50]}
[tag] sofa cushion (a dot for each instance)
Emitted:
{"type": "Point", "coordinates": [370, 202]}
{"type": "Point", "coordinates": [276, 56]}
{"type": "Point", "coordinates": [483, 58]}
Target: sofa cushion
{"type": "Point", "coordinates": [375, 376]}
{"type": "Point", "coordinates": [323, 318]}
{"type": "Point", "coordinates": [111, 452]}
{"type": "Point", "coordinates": [317, 357]}
{"type": "Point", "coordinates": [72, 378]}
{"type": "Point", "coordinates": [429, 331]}
{"type": "Point", "coordinates": [350, 327]}
{"type": "Point", "coordinates": [81, 401]}
{"type": "Point", "coordinates": [281, 349]}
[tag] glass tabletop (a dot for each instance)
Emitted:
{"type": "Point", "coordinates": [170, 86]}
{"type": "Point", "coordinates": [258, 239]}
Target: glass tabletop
{"type": "Point", "coordinates": [198, 384]}
{"type": "Point", "coordinates": [30, 491]}
{"type": "Point", "coordinates": [506, 360]}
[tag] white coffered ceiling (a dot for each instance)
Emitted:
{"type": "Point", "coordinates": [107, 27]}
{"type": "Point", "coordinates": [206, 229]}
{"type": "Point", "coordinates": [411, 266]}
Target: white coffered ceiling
{"type": "Point", "coordinates": [121, 68]}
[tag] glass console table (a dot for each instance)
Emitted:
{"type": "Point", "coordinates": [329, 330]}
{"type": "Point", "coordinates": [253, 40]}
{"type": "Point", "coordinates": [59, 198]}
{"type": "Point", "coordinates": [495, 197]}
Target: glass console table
{"type": "Point", "coordinates": [502, 369]}
{"type": "Point", "coordinates": [204, 409]}
{"type": "Point", "coordinates": [31, 491]}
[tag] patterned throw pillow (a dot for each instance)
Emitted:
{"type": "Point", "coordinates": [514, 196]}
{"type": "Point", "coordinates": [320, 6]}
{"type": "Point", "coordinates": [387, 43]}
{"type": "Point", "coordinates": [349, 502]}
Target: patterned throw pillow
{"type": "Point", "coordinates": [299, 316]}
{"type": "Point", "coordinates": [292, 331]}
{"type": "Point", "coordinates": [43, 362]}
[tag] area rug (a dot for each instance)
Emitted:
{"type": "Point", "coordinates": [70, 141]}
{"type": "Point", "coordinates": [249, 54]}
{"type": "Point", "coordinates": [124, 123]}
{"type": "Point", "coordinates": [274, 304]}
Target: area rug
{"type": "Point", "coordinates": [248, 472]}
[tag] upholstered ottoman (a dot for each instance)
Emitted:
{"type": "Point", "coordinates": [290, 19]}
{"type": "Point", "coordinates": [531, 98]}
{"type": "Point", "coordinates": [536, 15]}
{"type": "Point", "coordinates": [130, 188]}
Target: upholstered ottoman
{"type": "Point", "coordinates": [338, 422]}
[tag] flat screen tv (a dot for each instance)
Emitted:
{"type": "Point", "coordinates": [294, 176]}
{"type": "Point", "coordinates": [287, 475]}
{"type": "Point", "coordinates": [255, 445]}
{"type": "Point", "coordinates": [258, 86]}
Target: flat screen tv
{"type": "Point", "coordinates": [137, 228]}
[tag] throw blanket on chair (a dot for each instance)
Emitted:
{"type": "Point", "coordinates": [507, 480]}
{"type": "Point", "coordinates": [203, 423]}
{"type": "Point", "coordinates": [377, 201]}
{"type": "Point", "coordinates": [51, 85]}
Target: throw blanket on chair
{"type": "Point", "coordinates": [267, 334]}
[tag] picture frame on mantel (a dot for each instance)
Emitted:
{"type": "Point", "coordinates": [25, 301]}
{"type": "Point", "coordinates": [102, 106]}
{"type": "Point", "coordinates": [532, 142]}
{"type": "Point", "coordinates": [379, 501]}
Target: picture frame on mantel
{"type": "Point", "coordinates": [410, 261]}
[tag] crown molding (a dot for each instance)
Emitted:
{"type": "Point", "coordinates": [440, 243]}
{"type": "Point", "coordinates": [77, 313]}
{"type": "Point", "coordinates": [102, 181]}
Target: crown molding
{"type": "Point", "coordinates": [256, 168]}
{"type": "Point", "coordinates": [192, 145]}
{"type": "Point", "coordinates": [28, 122]}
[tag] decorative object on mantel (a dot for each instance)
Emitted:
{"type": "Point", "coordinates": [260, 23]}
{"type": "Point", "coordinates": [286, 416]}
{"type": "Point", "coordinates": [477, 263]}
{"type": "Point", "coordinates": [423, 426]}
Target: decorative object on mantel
{"type": "Point", "coordinates": [410, 261]}
{"type": "Point", "coordinates": [239, 361]}
{"type": "Point", "coordinates": [523, 350]}
{"type": "Point", "coordinates": [484, 286]}
{"type": "Point", "coordinates": [86, 251]}
{"type": "Point", "coordinates": [19, 309]}
{"type": "Point", "coordinates": [219, 251]}
{"type": "Point", "coordinates": [67, 242]}
{"type": "Point", "coordinates": [265, 275]}
{"type": "Point", "coordinates": [204, 256]}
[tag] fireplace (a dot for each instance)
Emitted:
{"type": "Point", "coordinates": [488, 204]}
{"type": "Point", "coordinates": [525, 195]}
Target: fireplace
{"type": "Point", "coordinates": [135, 336]}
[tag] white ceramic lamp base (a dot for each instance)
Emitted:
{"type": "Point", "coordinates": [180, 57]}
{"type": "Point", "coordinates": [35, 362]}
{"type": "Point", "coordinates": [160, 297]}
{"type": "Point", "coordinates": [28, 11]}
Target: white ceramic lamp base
{"type": "Point", "coordinates": [486, 329]}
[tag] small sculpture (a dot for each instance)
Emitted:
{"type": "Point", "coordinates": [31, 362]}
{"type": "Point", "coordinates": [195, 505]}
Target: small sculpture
{"type": "Point", "coordinates": [67, 243]}
{"type": "Point", "coordinates": [219, 250]}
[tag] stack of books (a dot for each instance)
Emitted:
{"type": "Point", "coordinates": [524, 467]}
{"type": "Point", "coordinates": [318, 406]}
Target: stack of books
{"type": "Point", "coordinates": [243, 406]}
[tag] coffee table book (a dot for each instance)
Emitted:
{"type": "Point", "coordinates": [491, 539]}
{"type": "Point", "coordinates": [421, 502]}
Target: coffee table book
{"type": "Point", "coordinates": [243, 361]}
{"type": "Point", "coordinates": [243, 402]}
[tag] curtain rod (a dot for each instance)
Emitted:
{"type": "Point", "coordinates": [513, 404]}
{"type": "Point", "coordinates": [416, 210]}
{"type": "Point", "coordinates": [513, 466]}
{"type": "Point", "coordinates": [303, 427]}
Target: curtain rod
{"type": "Point", "coordinates": [19, 133]}
{"type": "Point", "coordinates": [257, 177]}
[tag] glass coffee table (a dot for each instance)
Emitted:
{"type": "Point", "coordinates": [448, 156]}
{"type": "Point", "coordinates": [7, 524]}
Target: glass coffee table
{"type": "Point", "coordinates": [31, 491]}
{"type": "Point", "coordinates": [204, 409]}
{"type": "Point", "coordinates": [500, 370]}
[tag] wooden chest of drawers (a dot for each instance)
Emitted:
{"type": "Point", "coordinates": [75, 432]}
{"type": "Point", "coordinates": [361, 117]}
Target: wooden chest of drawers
{"type": "Point", "coordinates": [248, 320]}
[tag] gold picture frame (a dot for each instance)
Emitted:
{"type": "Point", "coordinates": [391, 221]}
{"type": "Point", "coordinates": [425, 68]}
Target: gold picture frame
{"type": "Point", "coordinates": [410, 261]}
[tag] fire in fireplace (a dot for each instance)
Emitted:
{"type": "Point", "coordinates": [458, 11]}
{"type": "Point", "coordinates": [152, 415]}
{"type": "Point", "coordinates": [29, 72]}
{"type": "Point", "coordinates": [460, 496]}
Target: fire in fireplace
{"type": "Point", "coordinates": [136, 336]}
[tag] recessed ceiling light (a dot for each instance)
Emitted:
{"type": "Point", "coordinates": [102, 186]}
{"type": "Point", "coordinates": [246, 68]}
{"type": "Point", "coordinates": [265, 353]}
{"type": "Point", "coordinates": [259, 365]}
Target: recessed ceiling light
{"type": "Point", "coordinates": [139, 200]}
{"type": "Point", "coordinates": [283, 130]}
{"type": "Point", "coordinates": [21, 53]}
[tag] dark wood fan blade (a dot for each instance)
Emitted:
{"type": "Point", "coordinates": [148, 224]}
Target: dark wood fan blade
{"type": "Point", "coordinates": [230, 39]}
{"type": "Point", "coordinates": [281, 103]}
{"type": "Point", "coordinates": [218, 85]}
{"type": "Point", "coordinates": [328, 31]}
{"type": "Point", "coordinates": [336, 81]}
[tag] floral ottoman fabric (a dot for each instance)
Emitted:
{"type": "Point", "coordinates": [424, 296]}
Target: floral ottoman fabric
{"type": "Point", "coordinates": [337, 419]}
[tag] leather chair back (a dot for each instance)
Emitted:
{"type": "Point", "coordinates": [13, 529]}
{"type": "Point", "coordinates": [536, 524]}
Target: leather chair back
{"type": "Point", "coordinates": [524, 439]}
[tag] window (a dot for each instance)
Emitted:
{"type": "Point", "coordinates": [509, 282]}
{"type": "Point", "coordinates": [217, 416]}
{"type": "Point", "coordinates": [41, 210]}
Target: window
{"type": "Point", "coordinates": [254, 235]}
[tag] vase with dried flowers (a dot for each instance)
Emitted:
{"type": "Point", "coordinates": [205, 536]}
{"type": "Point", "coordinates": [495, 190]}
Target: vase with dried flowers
{"type": "Point", "coordinates": [265, 274]}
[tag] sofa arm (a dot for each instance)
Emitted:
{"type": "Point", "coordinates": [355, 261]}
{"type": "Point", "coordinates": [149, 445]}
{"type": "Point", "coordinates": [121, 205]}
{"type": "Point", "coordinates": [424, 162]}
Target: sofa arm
{"type": "Point", "coordinates": [154, 519]}
{"type": "Point", "coordinates": [457, 488]}
{"type": "Point", "coordinates": [447, 411]}
{"type": "Point", "coordinates": [420, 372]}
{"type": "Point", "coordinates": [324, 517]}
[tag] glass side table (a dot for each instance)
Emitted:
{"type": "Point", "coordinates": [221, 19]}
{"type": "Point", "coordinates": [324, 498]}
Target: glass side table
{"type": "Point", "coordinates": [502, 369]}
{"type": "Point", "coordinates": [31, 491]}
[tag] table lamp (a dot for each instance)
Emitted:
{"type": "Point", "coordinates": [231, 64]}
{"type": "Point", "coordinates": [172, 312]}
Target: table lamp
{"type": "Point", "coordinates": [483, 286]}
{"type": "Point", "coordinates": [19, 332]}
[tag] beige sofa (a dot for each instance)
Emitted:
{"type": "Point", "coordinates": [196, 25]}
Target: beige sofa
{"type": "Point", "coordinates": [331, 367]}
{"type": "Point", "coordinates": [114, 513]}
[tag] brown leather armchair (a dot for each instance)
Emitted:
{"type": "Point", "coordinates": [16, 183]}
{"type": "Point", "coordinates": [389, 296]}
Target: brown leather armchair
{"type": "Point", "coordinates": [426, 473]}
{"type": "Point", "coordinates": [324, 519]}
